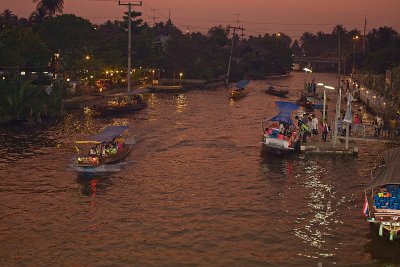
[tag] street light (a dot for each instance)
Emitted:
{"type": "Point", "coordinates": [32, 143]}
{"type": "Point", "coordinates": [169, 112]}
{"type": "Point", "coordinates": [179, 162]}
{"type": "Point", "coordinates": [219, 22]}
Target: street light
{"type": "Point", "coordinates": [180, 78]}
{"type": "Point", "coordinates": [324, 106]}
{"type": "Point", "coordinates": [355, 38]}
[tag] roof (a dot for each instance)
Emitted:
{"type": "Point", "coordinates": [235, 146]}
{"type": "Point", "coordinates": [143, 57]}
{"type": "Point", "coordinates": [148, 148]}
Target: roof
{"type": "Point", "coordinates": [242, 83]}
{"type": "Point", "coordinates": [108, 134]}
{"type": "Point", "coordinates": [285, 110]}
{"type": "Point", "coordinates": [390, 172]}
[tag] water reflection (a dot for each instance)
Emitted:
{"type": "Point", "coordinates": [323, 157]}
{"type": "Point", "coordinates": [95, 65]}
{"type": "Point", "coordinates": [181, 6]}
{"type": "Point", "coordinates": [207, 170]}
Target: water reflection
{"type": "Point", "coordinates": [20, 142]}
{"type": "Point", "coordinates": [93, 184]}
{"type": "Point", "coordinates": [315, 224]}
{"type": "Point", "coordinates": [180, 103]}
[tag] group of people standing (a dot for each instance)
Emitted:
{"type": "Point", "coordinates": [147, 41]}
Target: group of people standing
{"type": "Point", "coordinates": [309, 126]}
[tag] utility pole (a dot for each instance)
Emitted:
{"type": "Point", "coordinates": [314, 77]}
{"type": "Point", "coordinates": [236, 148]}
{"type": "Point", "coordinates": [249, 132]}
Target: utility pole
{"type": "Point", "coordinates": [129, 4]}
{"type": "Point", "coordinates": [339, 96]}
{"type": "Point", "coordinates": [364, 37]}
{"type": "Point", "coordinates": [230, 53]}
{"type": "Point", "coordinates": [154, 16]}
{"type": "Point", "coordinates": [242, 33]}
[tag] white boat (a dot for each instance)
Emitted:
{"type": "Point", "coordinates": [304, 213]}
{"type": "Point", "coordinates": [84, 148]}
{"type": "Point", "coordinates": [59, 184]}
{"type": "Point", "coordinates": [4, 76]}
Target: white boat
{"type": "Point", "coordinates": [274, 140]}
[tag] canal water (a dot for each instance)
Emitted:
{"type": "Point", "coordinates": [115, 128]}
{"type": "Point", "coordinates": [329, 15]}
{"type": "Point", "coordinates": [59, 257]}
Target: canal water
{"type": "Point", "coordinates": [195, 191]}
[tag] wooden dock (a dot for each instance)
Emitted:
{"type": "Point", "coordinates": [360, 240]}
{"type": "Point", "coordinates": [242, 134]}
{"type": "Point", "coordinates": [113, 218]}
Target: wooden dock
{"type": "Point", "coordinates": [320, 147]}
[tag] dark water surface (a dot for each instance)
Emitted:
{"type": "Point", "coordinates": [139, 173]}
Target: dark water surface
{"type": "Point", "coordinates": [194, 191]}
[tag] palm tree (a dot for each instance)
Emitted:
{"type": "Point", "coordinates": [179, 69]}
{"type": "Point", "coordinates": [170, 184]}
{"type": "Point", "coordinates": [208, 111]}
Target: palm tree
{"type": "Point", "coordinates": [51, 6]}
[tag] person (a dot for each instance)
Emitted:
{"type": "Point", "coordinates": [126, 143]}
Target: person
{"type": "Point", "coordinates": [303, 128]}
{"type": "Point", "coordinates": [378, 125]}
{"type": "Point", "coordinates": [356, 122]}
{"type": "Point", "coordinates": [314, 88]}
{"type": "Point", "coordinates": [314, 126]}
{"type": "Point", "coordinates": [325, 130]}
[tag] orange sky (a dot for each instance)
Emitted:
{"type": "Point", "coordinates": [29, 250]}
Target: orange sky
{"type": "Point", "coordinates": [292, 17]}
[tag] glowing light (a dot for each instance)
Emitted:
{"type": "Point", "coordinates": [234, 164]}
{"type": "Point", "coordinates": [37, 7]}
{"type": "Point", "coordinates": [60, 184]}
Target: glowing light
{"type": "Point", "coordinates": [87, 57]}
{"type": "Point", "coordinates": [307, 70]}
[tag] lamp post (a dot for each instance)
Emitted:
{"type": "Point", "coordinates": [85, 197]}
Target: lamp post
{"type": "Point", "coordinates": [355, 38]}
{"type": "Point", "coordinates": [180, 78]}
{"type": "Point", "coordinates": [324, 106]}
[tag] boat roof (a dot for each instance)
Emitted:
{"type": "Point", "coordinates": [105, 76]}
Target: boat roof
{"type": "Point", "coordinates": [242, 83]}
{"type": "Point", "coordinates": [107, 134]}
{"type": "Point", "coordinates": [285, 110]}
{"type": "Point", "coordinates": [390, 172]}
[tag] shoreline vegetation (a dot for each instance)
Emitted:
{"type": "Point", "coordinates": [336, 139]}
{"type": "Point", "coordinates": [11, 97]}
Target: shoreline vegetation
{"type": "Point", "coordinates": [49, 57]}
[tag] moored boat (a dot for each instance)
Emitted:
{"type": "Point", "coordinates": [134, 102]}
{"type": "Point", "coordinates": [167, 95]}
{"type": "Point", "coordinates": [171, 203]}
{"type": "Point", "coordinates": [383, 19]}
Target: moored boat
{"type": "Point", "coordinates": [382, 196]}
{"type": "Point", "coordinates": [279, 133]}
{"type": "Point", "coordinates": [106, 147]}
{"type": "Point", "coordinates": [119, 104]}
{"type": "Point", "coordinates": [239, 90]}
{"type": "Point", "coordinates": [276, 92]}
{"type": "Point", "coordinates": [166, 88]}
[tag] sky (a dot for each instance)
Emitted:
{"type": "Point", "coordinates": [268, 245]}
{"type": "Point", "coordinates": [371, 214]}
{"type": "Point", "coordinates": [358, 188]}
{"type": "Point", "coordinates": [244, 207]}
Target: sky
{"type": "Point", "coordinates": [292, 17]}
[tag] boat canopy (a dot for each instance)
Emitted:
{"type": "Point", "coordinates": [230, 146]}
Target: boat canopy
{"type": "Point", "coordinates": [108, 134]}
{"type": "Point", "coordinates": [285, 109]}
{"type": "Point", "coordinates": [390, 173]}
{"type": "Point", "coordinates": [242, 83]}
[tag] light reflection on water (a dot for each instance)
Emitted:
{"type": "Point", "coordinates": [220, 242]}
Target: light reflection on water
{"type": "Point", "coordinates": [193, 191]}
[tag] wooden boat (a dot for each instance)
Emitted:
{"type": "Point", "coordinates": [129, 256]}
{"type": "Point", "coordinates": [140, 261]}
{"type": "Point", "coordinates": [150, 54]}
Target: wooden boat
{"type": "Point", "coordinates": [106, 147]}
{"type": "Point", "coordinates": [239, 90]}
{"type": "Point", "coordinates": [277, 141]}
{"type": "Point", "coordinates": [120, 104]}
{"type": "Point", "coordinates": [382, 196]}
{"type": "Point", "coordinates": [276, 92]}
{"type": "Point", "coordinates": [166, 88]}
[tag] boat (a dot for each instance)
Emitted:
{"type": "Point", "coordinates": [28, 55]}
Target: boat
{"type": "Point", "coordinates": [382, 196]}
{"type": "Point", "coordinates": [276, 92]}
{"type": "Point", "coordinates": [107, 147]}
{"type": "Point", "coordinates": [279, 133]}
{"type": "Point", "coordinates": [239, 90]}
{"type": "Point", "coordinates": [166, 88]}
{"type": "Point", "coordinates": [119, 104]}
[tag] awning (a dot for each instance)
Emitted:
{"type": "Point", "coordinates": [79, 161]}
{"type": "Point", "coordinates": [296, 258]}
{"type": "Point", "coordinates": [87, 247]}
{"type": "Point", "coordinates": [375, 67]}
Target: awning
{"type": "Point", "coordinates": [108, 134]}
{"type": "Point", "coordinates": [390, 173]}
{"type": "Point", "coordinates": [285, 110]}
{"type": "Point", "coordinates": [242, 83]}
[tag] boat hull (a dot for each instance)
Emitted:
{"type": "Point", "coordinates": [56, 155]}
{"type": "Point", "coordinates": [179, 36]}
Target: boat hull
{"type": "Point", "coordinates": [108, 159]}
{"type": "Point", "coordinates": [279, 150]}
{"type": "Point", "coordinates": [238, 94]}
{"type": "Point", "coordinates": [116, 110]}
{"type": "Point", "coordinates": [280, 93]}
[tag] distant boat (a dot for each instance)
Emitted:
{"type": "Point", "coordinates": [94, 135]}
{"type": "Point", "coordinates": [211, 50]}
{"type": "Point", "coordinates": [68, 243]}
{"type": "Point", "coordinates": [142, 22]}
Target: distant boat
{"type": "Point", "coordinates": [382, 196]}
{"type": "Point", "coordinates": [239, 90]}
{"type": "Point", "coordinates": [278, 142]}
{"type": "Point", "coordinates": [106, 147]}
{"type": "Point", "coordinates": [121, 103]}
{"type": "Point", "coordinates": [276, 92]}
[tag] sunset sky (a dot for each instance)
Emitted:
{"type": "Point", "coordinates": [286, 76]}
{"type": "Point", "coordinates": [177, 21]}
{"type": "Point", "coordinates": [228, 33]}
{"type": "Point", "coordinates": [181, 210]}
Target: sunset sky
{"type": "Point", "coordinates": [292, 17]}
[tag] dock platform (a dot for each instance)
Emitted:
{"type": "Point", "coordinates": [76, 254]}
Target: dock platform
{"type": "Point", "coordinates": [319, 147]}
